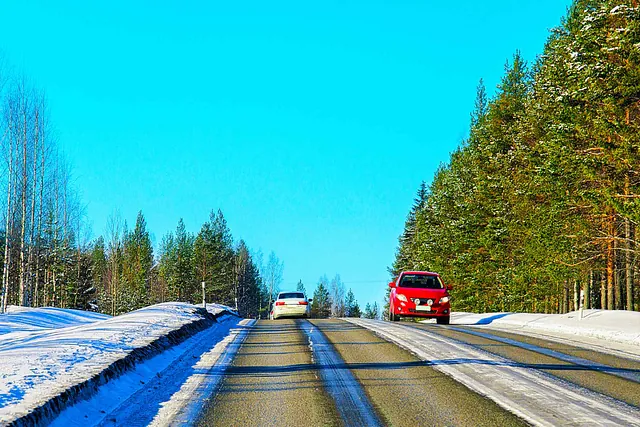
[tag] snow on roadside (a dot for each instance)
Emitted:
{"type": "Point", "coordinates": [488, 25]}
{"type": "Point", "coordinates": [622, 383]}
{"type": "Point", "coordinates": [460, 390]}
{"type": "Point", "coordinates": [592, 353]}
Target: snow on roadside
{"type": "Point", "coordinates": [214, 308]}
{"type": "Point", "coordinates": [37, 365]}
{"type": "Point", "coordinates": [23, 319]}
{"type": "Point", "coordinates": [161, 387]}
{"type": "Point", "coordinates": [604, 325]}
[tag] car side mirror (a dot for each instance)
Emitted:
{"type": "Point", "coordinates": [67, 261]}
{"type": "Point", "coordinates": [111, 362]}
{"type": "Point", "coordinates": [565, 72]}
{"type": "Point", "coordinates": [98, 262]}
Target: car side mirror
{"type": "Point", "coordinates": [392, 284]}
{"type": "Point", "coordinates": [449, 287]}
{"type": "Point", "coordinates": [310, 300]}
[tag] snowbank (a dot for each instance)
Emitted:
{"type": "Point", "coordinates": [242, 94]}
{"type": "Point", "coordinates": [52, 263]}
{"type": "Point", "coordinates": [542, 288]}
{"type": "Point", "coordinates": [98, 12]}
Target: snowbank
{"type": "Point", "coordinates": [43, 368]}
{"type": "Point", "coordinates": [609, 325]}
{"type": "Point", "coordinates": [23, 319]}
{"type": "Point", "coordinates": [214, 308]}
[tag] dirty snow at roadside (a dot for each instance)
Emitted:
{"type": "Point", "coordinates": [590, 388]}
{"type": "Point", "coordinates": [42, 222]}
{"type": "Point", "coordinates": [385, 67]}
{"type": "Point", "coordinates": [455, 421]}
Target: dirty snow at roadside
{"type": "Point", "coordinates": [40, 361]}
{"type": "Point", "coordinates": [616, 329]}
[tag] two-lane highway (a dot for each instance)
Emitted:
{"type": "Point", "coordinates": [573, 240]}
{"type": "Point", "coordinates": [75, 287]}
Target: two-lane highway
{"type": "Point", "coordinates": [278, 378]}
{"type": "Point", "coordinates": [362, 372]}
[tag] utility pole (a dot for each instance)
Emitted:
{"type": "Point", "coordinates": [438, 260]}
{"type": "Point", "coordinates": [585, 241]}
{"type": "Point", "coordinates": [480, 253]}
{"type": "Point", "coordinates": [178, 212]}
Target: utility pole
{"type": "Point", "coordinates": [204, 301]}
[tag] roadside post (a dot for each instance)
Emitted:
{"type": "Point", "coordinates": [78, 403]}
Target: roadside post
{"type": "Point", "coordinates": [581, 303]}
{"type": "Point", "coordinates": [204, 301]}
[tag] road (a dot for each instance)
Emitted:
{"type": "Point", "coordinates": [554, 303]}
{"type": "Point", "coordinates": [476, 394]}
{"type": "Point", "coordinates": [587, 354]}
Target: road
{"type": "Point", "coordinates": [361, 372]}
{"type": "Point", "coordinates": [419, 374]}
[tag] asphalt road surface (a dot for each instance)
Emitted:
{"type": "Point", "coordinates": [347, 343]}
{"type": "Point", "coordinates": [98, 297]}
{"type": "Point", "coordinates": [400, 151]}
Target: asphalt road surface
{"type": "Point", "coordinates": [609, 375]}
{"type": "Point", "coordinates": [363, 372]}
{"type": "Point", "coordinates": [274, 380]}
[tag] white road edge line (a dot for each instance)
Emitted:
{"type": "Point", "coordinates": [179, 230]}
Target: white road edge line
{"type": "Point", "coordinates": [536, 397]}
{"type": "Point", "coordinates": [187, 403]}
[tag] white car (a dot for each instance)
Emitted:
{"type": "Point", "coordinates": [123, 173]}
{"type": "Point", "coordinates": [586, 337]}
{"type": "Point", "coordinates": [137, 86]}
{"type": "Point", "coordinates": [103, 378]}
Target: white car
{"type": "Point", "coordinates": [290, 304]}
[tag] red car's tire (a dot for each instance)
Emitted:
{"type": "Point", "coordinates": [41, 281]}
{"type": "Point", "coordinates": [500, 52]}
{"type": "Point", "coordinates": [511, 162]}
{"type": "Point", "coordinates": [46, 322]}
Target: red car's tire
{"type": "Point", "coordinates": [393, 317]}
{"type": "Point", "coordinates": [442, 320]}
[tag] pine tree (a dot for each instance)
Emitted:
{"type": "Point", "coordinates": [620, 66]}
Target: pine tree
{"type": "Point", "coordinates": [137, 263]}
{"type": "Point", "coordinates": [368, 313]}
{"type": "Point", "coordinates": [300, 287]}
{"type": "Point", "coordinates": [352, 309]}
{"type": "Point", "coordinates": [321, 305]}
{"type": "Point", "coordinates": [375, 312]}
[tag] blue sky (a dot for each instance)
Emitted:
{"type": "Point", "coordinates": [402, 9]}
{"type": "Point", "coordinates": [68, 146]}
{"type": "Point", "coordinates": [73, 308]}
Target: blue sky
{"type": "Point", "coordinates": [310, 124]}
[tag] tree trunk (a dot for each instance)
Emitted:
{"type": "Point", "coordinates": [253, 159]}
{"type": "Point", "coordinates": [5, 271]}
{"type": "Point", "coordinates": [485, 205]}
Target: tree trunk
{"type": "Point", "coordinates": [611, 262]}
{"type": "Point", "coordinates": [565, 297]}
{"type": "Point", "coordinates": [23, 217]}
{"type": "Point", "coordinates": [40, 209]}
{"type": "Point", "coordinates": [7, 252]}
{"type": "Point", "coordinates": [628, 258]}
{"type": "Point", "coordinates": [617, 284]}
{"type": "Point", "coordinates": [33, 211]}
{"type": "Point", "coordinates": [587, 291]}
{"type": "Point", "coordinates": [603, 291]}
{"type": "Point", "coordinates": [576, 295]}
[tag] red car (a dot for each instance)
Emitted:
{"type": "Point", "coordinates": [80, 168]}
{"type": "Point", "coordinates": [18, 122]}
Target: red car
{"type": "Point", "coordinates": [419, 294]}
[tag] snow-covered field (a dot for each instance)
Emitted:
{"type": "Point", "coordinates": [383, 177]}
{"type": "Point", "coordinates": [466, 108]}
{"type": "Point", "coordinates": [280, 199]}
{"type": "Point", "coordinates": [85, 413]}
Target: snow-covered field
{"type": "Point", "coordinates": [45, 352]}
{"type": "Point", "coordinates": [610, 330]}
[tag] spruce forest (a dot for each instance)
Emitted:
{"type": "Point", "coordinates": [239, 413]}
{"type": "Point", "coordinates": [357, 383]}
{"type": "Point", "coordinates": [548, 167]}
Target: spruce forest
{"type": "Point", "coordinates": [541, 201]}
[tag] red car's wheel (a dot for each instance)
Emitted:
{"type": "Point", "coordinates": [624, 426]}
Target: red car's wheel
{"type": "Point", "coordinates": [393, 317]}
{"type": "Point", "coordinates": [442, 320]}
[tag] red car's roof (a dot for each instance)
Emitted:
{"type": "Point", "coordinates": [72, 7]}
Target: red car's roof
{"type": "Point", "coordinates": [420, 272]}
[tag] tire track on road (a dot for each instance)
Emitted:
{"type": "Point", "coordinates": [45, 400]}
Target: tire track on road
{"type": "Point", "coordinates": [403, 389]}
{"type": "Point", "coordinates": [272, 381]}
{"type": "Point", "coordinates": [352, 402]}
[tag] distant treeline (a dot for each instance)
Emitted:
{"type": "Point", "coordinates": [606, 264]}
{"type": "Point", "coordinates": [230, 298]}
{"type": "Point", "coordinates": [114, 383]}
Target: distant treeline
{"type": "Point", "coordinates": [329, 300]}
{"type": "Point", "coordinates": [542, 200]}
{"type": "Point", "coordinates": [125, 274]}
{"type": "Point", "coordinates": [48, 259]}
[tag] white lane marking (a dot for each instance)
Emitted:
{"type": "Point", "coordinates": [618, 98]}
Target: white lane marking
{"type": "Point", "coordinates": [534, 396]}
{"type": "Point", "coordinates": [351, 401]}
{"type": "Point", "coordinates": [627, 374]}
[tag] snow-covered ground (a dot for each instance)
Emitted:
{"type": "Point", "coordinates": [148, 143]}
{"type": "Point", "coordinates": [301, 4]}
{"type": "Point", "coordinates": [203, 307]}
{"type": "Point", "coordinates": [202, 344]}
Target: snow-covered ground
{"type": "Point", "coordinates": [23, 319]}
{"type": "Point", "coordinates": [610, 330]}
{"type": "Point", "coordinates": [45, 351]}
{"type": "Point", "coordinates": [168, 389]}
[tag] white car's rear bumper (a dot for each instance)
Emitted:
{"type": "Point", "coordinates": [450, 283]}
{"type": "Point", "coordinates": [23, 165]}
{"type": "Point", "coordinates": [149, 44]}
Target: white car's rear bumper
{"type": "Point", "coordinates": [289, 310]}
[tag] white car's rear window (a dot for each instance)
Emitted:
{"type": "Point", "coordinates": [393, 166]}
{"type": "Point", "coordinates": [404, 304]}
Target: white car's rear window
{"type": "Point", "coordinates": [286, 295]}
